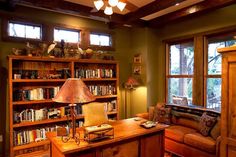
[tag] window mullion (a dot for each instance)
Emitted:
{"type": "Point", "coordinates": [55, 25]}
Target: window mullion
{"type": "Point", "coordinates": [198, 81]}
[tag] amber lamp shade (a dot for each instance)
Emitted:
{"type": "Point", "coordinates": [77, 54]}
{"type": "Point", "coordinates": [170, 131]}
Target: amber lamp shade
{"type": "Point", "coordinates": [74, 91]}
{"type": "Point", "coordinates": [131, 83]}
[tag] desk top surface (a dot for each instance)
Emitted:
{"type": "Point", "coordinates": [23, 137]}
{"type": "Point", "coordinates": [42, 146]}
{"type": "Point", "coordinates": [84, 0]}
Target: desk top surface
{"type": "Point", "coordinates": [123, 129]}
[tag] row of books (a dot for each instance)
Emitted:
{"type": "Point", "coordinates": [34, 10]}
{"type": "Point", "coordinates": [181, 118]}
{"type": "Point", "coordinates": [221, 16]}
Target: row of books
{"type": "Point", "coordinates": [41, 74]}
{"type": "Point", "coordinates": [94, 73]}
{"type": "Point", "coordinates": [27, 136]}
{"type": "Point", "coordinates": [35, 93]}
{"type": "Point", "coordinates": [31, 115]}
{"type": "Point", "coordinates": [110, 106]}
{"type": "Point", "coordinates": [100, 90]}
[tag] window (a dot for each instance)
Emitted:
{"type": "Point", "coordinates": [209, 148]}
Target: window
{"type": "Point", "coordinates": [100, 39]}
{"type": "Point", "coordinates": [213, 76]}
{"type": "Point", "coordinates": [180, 70]}
{"type": "Point", "coordinates": [195, 74]}
{"type": "Point", "coordinates": [22, 30]}
{"type": "Point", "coordinates": [72, 36]}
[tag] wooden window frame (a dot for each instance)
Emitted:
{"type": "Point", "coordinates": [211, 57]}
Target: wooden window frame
{"type": "Point", "coordinates": [168, 75]}
{"type": "Point", "coordinates": [200, 65]}
{"type": "Point", "coordinates": [7, 37]}
{"type": "Point", "coordinates": [68, 29]}
{"type": "Point", "coordinates": [101, 32]}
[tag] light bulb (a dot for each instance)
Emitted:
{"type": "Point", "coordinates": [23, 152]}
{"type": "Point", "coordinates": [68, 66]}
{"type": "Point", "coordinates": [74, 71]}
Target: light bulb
{"type": "Point", "coordinates": [98, 4]}
{"type": "Point", "coordinates": [121, 5]}
{"type": "Point", "coordinates": [112, 3]}
{"type": "Point", "coordinates": [108, 10]}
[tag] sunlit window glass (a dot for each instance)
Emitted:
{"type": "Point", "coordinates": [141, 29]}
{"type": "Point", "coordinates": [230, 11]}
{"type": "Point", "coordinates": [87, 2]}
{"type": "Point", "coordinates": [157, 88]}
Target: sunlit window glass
{"type": "Point", "coordinates": [24, 31]}
{"type": "Point", "coordinates": [100, 40]}
{"type": "Point", "coordinates": [180, 72]}
{"type": "Point", "coordinates": [66, 35]}
{"type": "Point", "coordinates": [214, 60]}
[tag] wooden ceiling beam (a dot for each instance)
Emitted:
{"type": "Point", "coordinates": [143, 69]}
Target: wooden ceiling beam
{"type": "Point", "coordinates": [71, 8]}
{"type": "Point", "coordinates": [150, 8]}
{"type": "Point", "coordinates": [202, 7]}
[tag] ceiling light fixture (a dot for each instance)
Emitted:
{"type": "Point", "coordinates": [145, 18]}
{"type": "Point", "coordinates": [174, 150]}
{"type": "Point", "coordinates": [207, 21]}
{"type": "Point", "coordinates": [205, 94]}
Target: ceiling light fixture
{"type": "Point", "coordinates": [108, 5]}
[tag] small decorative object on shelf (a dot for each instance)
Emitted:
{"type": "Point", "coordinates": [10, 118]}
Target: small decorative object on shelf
{"type": "Point", "coordinates": [51, 47]}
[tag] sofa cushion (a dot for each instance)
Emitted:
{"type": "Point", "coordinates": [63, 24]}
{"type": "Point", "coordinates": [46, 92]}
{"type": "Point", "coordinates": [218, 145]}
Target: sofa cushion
{"type": "Point", "coordinates": [199, 141]}
{"type": "Point", "coordinates": [177, 132]}
{"type": "Point", "coordinates": [185, 115]}
{"type": "Point", "coordinates": [206, 124]}
{"type": "Point", "coordinates": [162, 115]}
{"type": "Point", "coordinates": [186, 122]}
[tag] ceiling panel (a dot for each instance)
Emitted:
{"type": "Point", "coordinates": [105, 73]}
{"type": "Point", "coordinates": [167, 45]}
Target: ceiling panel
{"type": "Point", "coordinates": [140, 3]}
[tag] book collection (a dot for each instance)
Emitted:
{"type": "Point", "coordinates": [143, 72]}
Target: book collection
{"type": "Point", "coordinates": [31, 115]}
{"type": "Point", "coordinates": [27, 136]}
{"type": "Point", "coordinates": [94, 73]}
{"type": "Point", "coordinates": [35, 93]}
{"type": "Point", "coordinates": [42, 74]}
{"type": "Point", "coordinates": [100, 90]}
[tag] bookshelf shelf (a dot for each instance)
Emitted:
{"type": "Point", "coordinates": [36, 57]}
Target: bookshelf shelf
{"type": "Point", "coordinates": [37, 80]}
{"type": "Point", "coordinates": [47, 121]}
{"type": "Point", "coordinates": [34, 81]}
{"type": "Point", "coordinates": [32, 102]}
{"type": "Point", "coordinates": [106, 96]}
{"type": "Point", "coordinates": [33, 144]}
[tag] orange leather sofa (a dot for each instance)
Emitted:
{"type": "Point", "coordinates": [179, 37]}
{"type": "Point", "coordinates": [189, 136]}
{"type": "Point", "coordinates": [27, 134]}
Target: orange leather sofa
{"type": "Point", "coordinates": [183, 138]}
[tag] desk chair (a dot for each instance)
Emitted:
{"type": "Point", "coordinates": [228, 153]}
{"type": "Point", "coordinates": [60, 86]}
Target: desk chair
{"type": "Point", "coordinates": [94, 114]}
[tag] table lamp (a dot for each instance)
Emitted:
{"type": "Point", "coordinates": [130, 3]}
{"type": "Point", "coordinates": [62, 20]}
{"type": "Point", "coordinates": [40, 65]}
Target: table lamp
{"type": "Point", "coordinates": [130, 84]}
{"type": "Point", "coordinates": [74, 91]}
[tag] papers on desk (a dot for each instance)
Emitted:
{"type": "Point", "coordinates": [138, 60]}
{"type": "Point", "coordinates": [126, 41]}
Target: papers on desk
{"type": "Point", "coordinates": [148, 124]}
{"type": "Point", "coordinates": [98, 128]}
{"type": "Point", "coordinates": [95, 133]}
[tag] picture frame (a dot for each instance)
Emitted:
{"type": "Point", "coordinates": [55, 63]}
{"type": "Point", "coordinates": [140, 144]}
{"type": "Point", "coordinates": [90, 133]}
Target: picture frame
{"type": "Point", "coordinates": [137, 69]}
{"type": "Point", "coordinates": [137, 59]}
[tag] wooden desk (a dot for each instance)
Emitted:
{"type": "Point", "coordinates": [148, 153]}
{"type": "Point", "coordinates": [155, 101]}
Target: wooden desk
{"type": "Point", "coordinates": [130, 140]}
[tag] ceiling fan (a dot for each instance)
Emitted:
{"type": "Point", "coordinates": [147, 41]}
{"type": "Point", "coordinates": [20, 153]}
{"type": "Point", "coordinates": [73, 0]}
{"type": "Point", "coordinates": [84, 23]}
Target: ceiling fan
{"type": "Point", "coordinates": [107, 6]}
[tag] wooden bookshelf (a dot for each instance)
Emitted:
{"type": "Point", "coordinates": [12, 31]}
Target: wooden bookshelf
{"type": "Point", "coordinates": [34, 80]}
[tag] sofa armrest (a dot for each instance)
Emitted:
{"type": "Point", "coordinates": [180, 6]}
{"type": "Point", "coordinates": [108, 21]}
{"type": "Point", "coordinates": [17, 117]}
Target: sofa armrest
{"type": "Point", "coordinates": [143, 115]}
{"type": "Point", "coordinates": [147, 115]}
{"type": "Point", "coordinates": [218, 142]}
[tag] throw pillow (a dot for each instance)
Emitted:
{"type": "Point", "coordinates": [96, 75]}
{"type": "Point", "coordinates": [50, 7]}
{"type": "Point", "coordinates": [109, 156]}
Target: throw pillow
{"type": "Point", "coordinates": [162, 115]}
{"type": "Point", "coordinates": [206, 123]}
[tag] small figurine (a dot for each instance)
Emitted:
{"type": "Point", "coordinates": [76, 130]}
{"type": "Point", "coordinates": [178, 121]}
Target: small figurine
{"type": "Point", "coordinates": [62, 48]}
{"type": "Point", "coordinates": [29, 48]}
{"type": "Point", "coordinates": [51, 47]}
{"type": "Point", "coordinates": [79, 49]}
